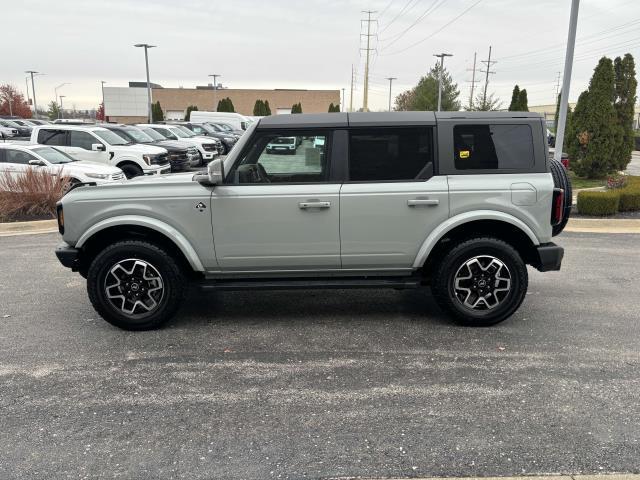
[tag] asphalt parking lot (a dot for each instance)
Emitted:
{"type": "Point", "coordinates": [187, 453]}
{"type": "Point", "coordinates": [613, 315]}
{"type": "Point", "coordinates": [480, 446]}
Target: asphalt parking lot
{"type": "Point", "coordinates": [321, 384]}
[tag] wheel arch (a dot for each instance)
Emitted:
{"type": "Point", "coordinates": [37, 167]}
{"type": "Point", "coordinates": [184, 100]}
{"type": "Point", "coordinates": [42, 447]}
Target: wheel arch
{"type": "Point", "coordinates": [494, 224]}
{"type": "Point", "coordinates": [118, 228]}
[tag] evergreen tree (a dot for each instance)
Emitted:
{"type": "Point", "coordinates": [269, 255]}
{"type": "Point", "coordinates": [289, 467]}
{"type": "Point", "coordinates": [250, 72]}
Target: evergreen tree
{"type": "Point", "coordinates": [225, 105]}
{"type": "Point", "coordinates": [424, 96]}
{"type": "Point", "coordinates": [593, 129]}
{"type": "Point", "coordinates": [267, 108]}
{"type": "Point", "coordinates": [296, 108]}
{"type": "Point", "coordinates": [557, 115]}
{"type": "Point", "coordinates": [523, 102]}
{"type": "Point", "coordinates": [514, 106]}
{"type": "Point", "coordinates": [488, 104]}
{"type": "Point", "coordinates": [54, 111]}
{"type": "Point", "coordinates": [258, 108]}
{"type": "Point", "coordinates": [157, 115]}
{"type": "Point", "coordinates": [190, 109]}
{"type": "Point", "coordinates": [624, 102]}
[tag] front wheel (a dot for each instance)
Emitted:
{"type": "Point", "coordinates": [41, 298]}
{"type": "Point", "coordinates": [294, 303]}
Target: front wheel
{"type": "Point", "coordinates": [131, 170]}
{"type": "Point", "coordinates": [135, 285]}
{"type": "Point", "coordinates": [480, 282]}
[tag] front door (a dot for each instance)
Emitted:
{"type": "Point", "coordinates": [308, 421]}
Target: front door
{"type": "Point", "coordinates": [392, 200]}
{"type": "Point", "coordinates": [277, 210]}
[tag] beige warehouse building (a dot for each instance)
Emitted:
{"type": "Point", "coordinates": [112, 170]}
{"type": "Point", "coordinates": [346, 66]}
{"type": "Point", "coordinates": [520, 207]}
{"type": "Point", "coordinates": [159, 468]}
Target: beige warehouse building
{"type": "Point", "coordinates": [128, 104]}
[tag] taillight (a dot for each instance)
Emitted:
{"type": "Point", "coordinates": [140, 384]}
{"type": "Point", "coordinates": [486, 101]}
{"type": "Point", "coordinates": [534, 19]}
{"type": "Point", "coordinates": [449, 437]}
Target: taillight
{"type": "Point", "coordinates": [60, 219]}
{"type": "Point", "coordinates": [557, 208]}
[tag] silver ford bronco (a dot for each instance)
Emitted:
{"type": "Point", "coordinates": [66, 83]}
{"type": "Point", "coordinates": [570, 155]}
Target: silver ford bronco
{"type": "Point", "coordinates": [458, 201]}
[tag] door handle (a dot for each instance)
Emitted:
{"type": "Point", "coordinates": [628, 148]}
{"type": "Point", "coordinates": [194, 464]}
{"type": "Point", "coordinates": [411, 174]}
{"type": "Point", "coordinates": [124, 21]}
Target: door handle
{"type": "Point", "coordinates": [419, 202]}
{"type": "Point", "coordinates": [305, 205]}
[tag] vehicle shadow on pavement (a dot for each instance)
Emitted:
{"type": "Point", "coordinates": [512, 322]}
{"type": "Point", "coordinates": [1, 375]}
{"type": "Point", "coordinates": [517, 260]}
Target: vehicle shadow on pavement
{"type": "Point", "coordinates": [315, 305]}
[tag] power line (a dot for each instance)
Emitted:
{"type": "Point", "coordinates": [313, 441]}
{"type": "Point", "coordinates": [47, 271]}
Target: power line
{"type": "Point", "coordinates": [435, 32]}
{"type": "Point", "coordinates": [398, 15]}
{"type": "Point", "coordinates": [432, 8]}
{"type": "Point", "coordinates": [384, 10]}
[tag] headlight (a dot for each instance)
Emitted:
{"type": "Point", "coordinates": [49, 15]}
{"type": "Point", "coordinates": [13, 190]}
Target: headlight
{"type": "Point", "coordinates": [229, 139]}
{"type": "Point", "coordinates": [147, 158]}
{"type": "Point", "coordinates": [101, 176]}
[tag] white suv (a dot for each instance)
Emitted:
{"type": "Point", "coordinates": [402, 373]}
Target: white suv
{"type": "Point", "coordinates": [97, 144]}
{"type": "Point", "coordinates": [206, 147]}
{"type": "Point", "coordinates": [18, 159]}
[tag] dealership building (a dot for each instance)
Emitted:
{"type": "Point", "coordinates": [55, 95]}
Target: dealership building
{"type": "Point", "coordinates": [129, 104]}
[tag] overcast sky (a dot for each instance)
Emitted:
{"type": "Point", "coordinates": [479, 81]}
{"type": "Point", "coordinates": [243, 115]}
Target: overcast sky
{"type": "Point", "coordinates": [305, 44]}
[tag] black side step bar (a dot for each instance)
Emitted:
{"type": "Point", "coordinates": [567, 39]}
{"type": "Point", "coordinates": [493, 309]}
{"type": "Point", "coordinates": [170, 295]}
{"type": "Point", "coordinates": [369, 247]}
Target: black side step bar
{"type": "Point", "coordinates": [307, 283]}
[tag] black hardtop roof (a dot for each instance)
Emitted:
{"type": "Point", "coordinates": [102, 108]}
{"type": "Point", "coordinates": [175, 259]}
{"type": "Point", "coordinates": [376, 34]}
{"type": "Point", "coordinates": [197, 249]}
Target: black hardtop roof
{"type": "Point", "coordinates": [378, 119]}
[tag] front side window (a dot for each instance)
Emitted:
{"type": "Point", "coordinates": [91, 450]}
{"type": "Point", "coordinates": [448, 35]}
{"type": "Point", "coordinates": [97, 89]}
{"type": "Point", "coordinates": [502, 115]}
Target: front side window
{"type": "Point", "coordinates": [52, 137]}
{"type": "Point", "coordinates": [284, 158]}
{"type": "Point", "coordinates": [390, 154]}
{"type": "Point", "coordinates": [53, 156]}
{"type": "Point", "coordinates": [18, 156]}
{"type": "Point", "coordinates": [493, 147]}
{"type": "Point", "coordinates": [81, 139]}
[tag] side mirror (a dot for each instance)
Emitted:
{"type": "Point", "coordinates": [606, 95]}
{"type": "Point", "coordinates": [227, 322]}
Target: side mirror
{"type": "Point", "coordinates": [97, 147]}
{"type": "Point", "coordinates": [215, 174]}
{"type": "Point", "coordinates": [37, 163]}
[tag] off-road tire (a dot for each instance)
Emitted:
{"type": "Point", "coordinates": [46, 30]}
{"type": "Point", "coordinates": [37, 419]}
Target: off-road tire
{"type": "Point", "coordinates": [561, 180]}
{"type": "Point", "coordinates": [173, 280]}
{"type": "Point", "coordinates": [443, 281]}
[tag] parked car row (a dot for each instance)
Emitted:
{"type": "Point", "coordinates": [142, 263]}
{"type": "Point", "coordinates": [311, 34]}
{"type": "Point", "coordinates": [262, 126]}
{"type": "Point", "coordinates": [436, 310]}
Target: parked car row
{"type": "Point", "coordinates": [11, 126]}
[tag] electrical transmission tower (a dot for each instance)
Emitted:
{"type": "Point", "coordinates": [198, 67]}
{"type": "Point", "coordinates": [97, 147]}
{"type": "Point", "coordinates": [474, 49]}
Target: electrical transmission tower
{"type": "Point", "coordinates": [368, 49]}
{"type": "Point", "coordinates": [488, 62]}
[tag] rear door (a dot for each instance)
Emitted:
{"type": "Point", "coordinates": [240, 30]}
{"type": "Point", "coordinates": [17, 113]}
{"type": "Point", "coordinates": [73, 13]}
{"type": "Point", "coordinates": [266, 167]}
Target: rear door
{"type": "Point", "coordinates": [277, 210]}
{"type": "Point", "coordinates": [392, 199]}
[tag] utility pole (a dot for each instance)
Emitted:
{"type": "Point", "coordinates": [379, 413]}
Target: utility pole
{"type": "Point", "coordinates": [365, 98]}
{"type": "Point", "coordinates": [566, 78]}
{"type": "Point", "coordinates": [61, 112]}
{"type": "Point", "coordinates": [473, 81]}
{"type": "Point", "coordinates": [215, 88]}
{"type": "Point", "coordinates": [146, 47]}
{"type": "Point", "coordinates": [391, 79]}
{"type": "Point", "coordinates": [26, 82]}
{"type": "Point", "coordinates": [104, 107]}
{"type": "Point", "coordinates": [555, 99]}
{"type": "Point", "coordinates": [351, 94]}
{"type": "Point", "coordinates": [441, 57]}
{"type": "Point", "coordinates": [33, 92]}
{"type": "Point", "coordinates": [488, 71]}
{"type": "Point", "coordinates": [343, 102]}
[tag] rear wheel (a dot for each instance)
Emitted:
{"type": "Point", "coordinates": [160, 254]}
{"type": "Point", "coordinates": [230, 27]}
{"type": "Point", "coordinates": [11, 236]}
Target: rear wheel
{"type": "Point", "coordinates": [480, 282]}
{"type": "Point", "coordinates": [131, 170]}
{"type": "Point", "coordinates": [135, 285]}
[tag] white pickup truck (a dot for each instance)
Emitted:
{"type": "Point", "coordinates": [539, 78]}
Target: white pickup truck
{"type": "Point", "coordinates": [97, 144]}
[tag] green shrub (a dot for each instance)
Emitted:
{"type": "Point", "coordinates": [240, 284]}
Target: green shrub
{"type": "Point", "coordinates": [630, 198]}
{"type": "Point", "coordinates": [598, 203]}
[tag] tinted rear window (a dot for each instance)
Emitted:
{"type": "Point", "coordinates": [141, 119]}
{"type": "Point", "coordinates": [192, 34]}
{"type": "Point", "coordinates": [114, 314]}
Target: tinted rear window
{"type": "Point", "coordinates": [391, 154]}
{"type": "Point", "coordinates": [493, 147]}
{"type": "Point", "coordinates": [52, 137]}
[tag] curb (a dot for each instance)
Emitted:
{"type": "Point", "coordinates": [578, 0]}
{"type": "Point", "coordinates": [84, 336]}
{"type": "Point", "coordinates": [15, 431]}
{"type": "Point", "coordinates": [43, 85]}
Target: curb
{"type": "Point", "coordinates": [28, 228]}
{"type": "Point", "coordinates": [599, 225]}
{"type": "Point", "coordinates": [601, 476]}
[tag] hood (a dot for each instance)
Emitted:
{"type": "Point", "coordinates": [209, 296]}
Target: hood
{"type": "Point", "coordinates": [171, 145]}
{"type": "Point", "coordinates": [90, 167]}
{"type": "Point", "coordinates": [140, 148]}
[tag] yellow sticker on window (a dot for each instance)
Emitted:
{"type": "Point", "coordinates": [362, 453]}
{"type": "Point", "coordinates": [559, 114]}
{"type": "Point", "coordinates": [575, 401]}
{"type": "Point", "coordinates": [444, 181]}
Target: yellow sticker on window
{"type": "Point", "coordinates": [464, 153]}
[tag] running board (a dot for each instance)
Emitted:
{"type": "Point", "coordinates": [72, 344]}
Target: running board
{"type": "Point", "coordinates": [305, 284]}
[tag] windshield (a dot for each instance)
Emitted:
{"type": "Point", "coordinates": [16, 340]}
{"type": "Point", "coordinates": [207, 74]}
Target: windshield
{"type": "Point", "coordinates": [186, 132]}
{"type": "Point", "coordinates": [177, 132]}
{"type": "Point", "coordinates": [9, 123]}
{"type": "Point", "coordinates": [153, 134]}
{"type": "Point", "coordinates": [138, 135]}
{"type": "Point", "coordinates": [111, 138]}
{"type": "Point", "coordinates": [225, 126]}
{"type": "Point", "coordinates": [216, 128]}
{"type": "Point", "coordinates": [52, 155]}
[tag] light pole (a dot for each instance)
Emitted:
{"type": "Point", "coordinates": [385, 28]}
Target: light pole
{"type": "Point", "coordinates": [566, 78]}
{"type": "Point", "coordinates": [61, 113]}
{"type": "Point", "coordinates": [342, 109]}
{"type": "Point", "coordinates": [441, 57]}
{"type": "Point", "coordinates": [215, 87]}
{"type": "Point", "coordinates": [391, 79]}
{"type": "Point", "coordinates": [33, 92]}
{"type": "Point", "coordinates": [104, 108]}
{"type": "Point", "coordinates": [146, 47]}
{"type": "Point", "coordinates": [56, 89]}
